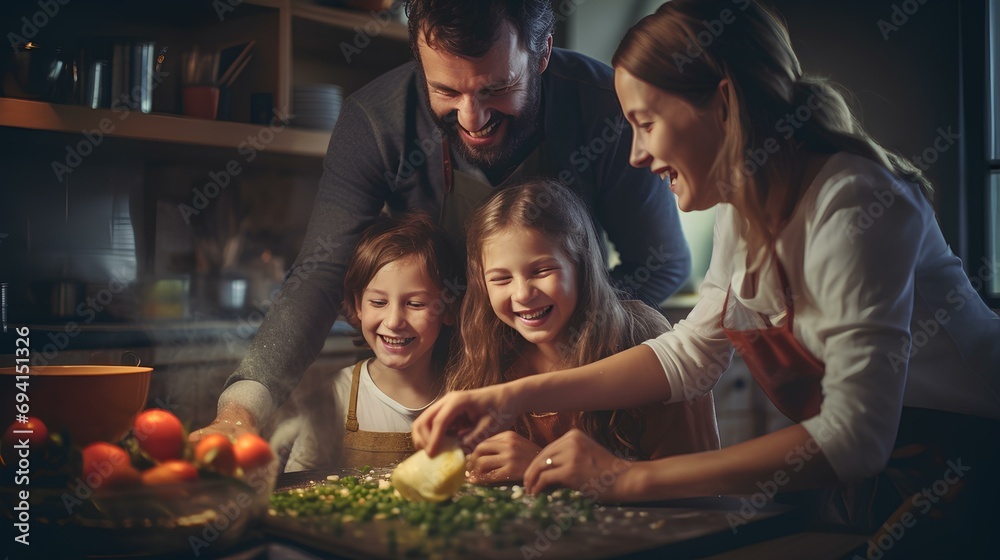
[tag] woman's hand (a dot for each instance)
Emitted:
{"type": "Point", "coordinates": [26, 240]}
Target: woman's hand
{"type": "Point", "coordinates": [578, 462]}
{"type": "Point", "coordinates": [472, 415]}
{"type": "Point", "coordinates": [501, 458]}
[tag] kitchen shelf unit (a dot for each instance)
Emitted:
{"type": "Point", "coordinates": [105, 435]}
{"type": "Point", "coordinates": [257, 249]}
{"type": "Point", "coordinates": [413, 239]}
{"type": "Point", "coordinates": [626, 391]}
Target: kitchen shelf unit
{"type": "Point", "coordinates": [297, 42]}
{"type": "Point", "coordinates": [73, 119]}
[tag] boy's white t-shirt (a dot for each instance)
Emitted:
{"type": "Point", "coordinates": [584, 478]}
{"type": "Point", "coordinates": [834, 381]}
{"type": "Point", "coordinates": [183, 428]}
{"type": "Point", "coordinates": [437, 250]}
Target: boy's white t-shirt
{"type": "Point", "coordinates": [324, 420]}
{"type": "Point", "coordinates": [377, 411]}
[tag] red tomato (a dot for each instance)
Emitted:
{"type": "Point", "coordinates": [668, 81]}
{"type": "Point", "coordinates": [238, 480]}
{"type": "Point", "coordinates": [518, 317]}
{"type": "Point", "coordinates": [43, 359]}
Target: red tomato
{"type": "Point", "coordinates": [171, 471]}
{"type": "Point", "coordinates": [107, 466]}
{"type": "Point", "coordinates": [37, 439]}
{"type": "Point", "coordinates": [160, 434]}
{"type": "Point", "coordinates": [215, 451]}
{"type": "Point", "coordinates": [252, 452]}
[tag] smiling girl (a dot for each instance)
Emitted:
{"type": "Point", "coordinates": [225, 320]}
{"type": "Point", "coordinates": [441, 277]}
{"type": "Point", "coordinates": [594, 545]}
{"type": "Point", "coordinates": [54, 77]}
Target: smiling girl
{"type": "Point", "coordinates": [397, 298]}
{"type": "Point", "coordinates": [540, 299]}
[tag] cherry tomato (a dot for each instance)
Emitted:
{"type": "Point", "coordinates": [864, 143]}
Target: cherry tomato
{"type": "Point", "coordinates": [38, 438]}
{"type": "Point", "coordinates": [252, 452]}
{"type": "Point", "coordinates": [170, 471]}
{"type": "Point", "coordinates": [160, 434]}
{"type": "Point", "coordinates": [215, 451]}
{"type": "Point", "coordinates": [107, 466]}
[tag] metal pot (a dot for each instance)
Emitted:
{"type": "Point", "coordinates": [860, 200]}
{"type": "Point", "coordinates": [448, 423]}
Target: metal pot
{"type": "Point", "coordinates": [59, 298]}
{"type": "Point", "coordinates": [232, 292]}
{"type": "Point", "coordinates": [41, 72]}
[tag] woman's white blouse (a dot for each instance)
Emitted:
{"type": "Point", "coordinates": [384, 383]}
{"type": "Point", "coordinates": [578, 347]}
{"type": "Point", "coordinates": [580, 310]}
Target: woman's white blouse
{"type": "Point", "coordinates": [879, 298]}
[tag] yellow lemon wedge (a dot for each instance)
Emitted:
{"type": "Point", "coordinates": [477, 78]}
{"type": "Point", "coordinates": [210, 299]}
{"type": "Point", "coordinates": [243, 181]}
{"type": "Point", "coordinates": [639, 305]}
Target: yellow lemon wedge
{"type": "Point", "coordinates": [421, 478]}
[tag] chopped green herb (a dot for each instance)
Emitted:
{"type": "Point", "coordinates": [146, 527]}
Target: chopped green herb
{"type": "Point", "coordinates": [429, 528]}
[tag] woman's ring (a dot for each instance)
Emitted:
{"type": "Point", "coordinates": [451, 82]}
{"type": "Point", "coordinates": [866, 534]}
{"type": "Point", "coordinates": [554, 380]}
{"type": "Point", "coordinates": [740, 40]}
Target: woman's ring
{"type": "Point", "coordinates": [548, 462]}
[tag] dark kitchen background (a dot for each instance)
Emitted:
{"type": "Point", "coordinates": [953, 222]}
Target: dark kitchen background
{"type": "Point", "coordinates": [142, 230]}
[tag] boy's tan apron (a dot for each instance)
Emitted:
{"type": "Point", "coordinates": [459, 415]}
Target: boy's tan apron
{"type": "Point", "coordinates": [377, 449]}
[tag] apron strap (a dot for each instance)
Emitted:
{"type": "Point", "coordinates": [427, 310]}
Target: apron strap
{"type": "Point", "coordinates": [447, 176]}
{"type": "Point", "coordinates": [786, 291]}
{"type": "Point", "coordinates": [352, 410]}
{"type": "Point", "coordinates": [446, 167]}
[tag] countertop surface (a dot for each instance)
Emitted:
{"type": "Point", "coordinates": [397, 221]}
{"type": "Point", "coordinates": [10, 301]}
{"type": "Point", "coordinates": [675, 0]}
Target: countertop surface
{"type": "Point", "coordinates": [692, 528]}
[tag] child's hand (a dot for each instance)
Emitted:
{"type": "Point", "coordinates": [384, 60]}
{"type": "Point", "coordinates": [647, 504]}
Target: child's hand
{"type": "Point", "coordinates": [501, 458]}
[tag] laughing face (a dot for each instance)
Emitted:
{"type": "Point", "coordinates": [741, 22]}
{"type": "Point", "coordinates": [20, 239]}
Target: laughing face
{"type": "Point", "coordinates": [673, 138]}
{"type": "Point", "coordinates": [531, 283]}
{"type": "Point", "coordinates": [398, 319]}
{"type": "Point", "coordinates": [487, 107]}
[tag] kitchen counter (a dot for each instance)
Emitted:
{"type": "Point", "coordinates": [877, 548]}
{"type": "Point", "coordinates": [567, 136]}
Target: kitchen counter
{"type": "Point", "coordinates": [778, 535]}
{"type": "Point", "coordinates": [794, 546]}
{"type": "Point", "coordinates": [689, 528]}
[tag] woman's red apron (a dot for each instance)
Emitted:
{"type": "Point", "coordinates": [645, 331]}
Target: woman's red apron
{"type": "Point", "coordinates": [900, 507]}
{"type": "Point", "coordinates": [787, 372]}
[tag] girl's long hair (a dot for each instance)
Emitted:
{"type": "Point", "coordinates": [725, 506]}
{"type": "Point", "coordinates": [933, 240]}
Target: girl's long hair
{"type": "Point", "coordinates": [601, 325]}
{"type": "Point", "coordinates": [688, 47]}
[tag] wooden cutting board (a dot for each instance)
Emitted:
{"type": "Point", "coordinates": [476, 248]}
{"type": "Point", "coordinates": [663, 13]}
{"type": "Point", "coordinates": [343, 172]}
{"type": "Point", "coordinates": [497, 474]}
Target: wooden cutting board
{"type": "Point", "coordinates": [682, 529]}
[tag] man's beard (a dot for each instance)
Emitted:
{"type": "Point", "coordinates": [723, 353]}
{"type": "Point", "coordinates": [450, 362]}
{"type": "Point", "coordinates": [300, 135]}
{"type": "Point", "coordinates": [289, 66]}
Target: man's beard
{"type": "Point", "coordinates": [519, 129]}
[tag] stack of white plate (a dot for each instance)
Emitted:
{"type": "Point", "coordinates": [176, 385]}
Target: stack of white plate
{"type": "Point", "coordinates": [317, 105]}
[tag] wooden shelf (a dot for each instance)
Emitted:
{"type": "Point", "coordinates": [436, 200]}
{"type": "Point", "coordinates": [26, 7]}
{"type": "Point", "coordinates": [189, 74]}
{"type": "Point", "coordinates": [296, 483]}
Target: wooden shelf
{"type": "Point", "coordinates": [349, 19]}
{"type": "Point", "coordinates": [75, 119]}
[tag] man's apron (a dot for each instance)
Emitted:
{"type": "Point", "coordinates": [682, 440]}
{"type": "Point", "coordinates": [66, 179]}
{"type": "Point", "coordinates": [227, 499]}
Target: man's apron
{"type": "Point", "coordinates": [941, 475]}
{"type": "Point", "coordinates": [465, 192]}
